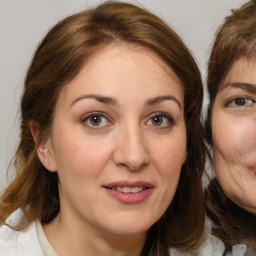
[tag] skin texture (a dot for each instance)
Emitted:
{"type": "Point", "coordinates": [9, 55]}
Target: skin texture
{"type": "Point", "coordinates": [234, 134]}
{"type": "Point", "coordinates": [126, 145]}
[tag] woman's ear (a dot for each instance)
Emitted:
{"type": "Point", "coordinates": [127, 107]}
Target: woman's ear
{"type": "Point", "coordinates": [44, 147]}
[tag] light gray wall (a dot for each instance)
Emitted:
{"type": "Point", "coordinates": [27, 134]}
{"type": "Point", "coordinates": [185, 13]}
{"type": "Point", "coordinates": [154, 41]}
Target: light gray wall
{"type": "Point", "coordinates": [23, 23]}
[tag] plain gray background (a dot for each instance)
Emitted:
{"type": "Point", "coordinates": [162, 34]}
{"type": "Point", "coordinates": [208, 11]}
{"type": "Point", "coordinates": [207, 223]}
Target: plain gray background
{"type": "Point", "coordinates": [23, 23]}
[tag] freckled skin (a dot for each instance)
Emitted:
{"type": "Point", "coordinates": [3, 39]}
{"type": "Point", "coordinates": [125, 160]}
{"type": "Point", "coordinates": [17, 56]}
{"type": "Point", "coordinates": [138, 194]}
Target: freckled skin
{"type": "Point", "coordinates": [234, 135]}
{"type": "Point", "coordinates": [126, 146]}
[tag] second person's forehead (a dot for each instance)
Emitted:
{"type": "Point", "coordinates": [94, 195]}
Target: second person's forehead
{"type": "Point", "coordinates": [241, 75]}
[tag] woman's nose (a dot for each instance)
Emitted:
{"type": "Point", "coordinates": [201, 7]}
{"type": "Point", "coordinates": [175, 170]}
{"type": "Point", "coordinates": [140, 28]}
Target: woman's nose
{"type": "Point", "coordinates": [131, 150]}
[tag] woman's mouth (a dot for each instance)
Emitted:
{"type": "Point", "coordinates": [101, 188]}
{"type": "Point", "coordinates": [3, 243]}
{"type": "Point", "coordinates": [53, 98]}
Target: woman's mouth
{"type": "Point", "coordinates": [129, 193]}
{"type": "Point", "coordinates": [252, 170]}
{"type": "Point", "coordinates": [127, 190]}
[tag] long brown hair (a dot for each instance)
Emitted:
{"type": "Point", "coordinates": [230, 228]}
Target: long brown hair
{"type": "Point", "coordinates": [235, 39]}
{"type": "Point", "coordinates": [58, 59]}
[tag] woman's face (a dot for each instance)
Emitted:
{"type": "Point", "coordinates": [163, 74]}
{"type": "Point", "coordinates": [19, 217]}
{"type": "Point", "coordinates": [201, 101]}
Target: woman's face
{"type": "Point", "coordinates": [234, 134]}
{"type": "Point", "coordinates": [118, 141]}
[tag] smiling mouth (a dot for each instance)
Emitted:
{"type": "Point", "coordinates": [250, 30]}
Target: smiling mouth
{"type": "Point", "coordinates": [252, 168]}
{"type": "Point", "coordinates": [129, 190]}
{"type": "Point", "coordinates": [126, 187]}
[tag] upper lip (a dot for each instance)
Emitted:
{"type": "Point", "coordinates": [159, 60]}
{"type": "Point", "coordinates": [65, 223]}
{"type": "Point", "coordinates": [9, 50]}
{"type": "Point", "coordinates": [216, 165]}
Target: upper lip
{"type": "Point", "coordinates": [253, 167]}
{"type": "Point", "coordinates": [124, 183]}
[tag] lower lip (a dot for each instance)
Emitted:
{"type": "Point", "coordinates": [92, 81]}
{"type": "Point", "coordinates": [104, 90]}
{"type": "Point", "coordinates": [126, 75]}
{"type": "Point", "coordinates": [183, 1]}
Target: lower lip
{"type": "Point", "coordinates": [130, 198]}
{"type": "Point", "coordinates": [252, 170]}
{"type": "Point", "coordinates": [252, 173]}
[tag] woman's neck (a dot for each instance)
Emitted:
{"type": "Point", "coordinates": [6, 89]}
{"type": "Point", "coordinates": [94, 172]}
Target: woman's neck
{"type": "Point", "coordinates": [76, 238]}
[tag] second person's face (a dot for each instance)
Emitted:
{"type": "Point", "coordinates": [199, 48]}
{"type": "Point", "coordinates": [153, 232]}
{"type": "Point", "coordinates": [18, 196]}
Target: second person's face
{"type": "Point", "coordinates": [118, 141]}
{"type": "Point", "coordinates": [234, 134]}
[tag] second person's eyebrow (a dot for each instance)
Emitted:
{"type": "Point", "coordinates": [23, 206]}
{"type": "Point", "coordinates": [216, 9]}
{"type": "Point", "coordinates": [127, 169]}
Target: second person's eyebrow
{"type": "Point", "coordinates": [242, 85]}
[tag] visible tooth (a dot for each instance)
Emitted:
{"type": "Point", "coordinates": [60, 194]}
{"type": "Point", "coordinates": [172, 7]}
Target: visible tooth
{"type": "Point", "coordinates": [127, 189]}
{"type": "Point", "coordinates": [120, 189]}
{"type": "Point", "coordinates": [137, 189]}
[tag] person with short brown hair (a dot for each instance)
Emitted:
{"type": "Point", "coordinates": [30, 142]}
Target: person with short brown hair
{"type": "Point", "coordinates": [230, 128]}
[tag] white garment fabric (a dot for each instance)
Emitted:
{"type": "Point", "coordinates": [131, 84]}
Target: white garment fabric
{"type": "Point", "coordinates": [28, 242]}
{"type": "Point", "coordinates": [215, 247]}
{"type": "Point", "coordinates": [212, 246]}
{"type": "Point", "coordinates": [238, 250]}
{"type": "Point", "coordinates": [45, 245]}
{"type": "Point", "coordinates": [19, 243]}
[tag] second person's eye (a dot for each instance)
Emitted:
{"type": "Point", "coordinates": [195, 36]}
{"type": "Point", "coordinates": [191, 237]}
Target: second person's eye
{"type": "Point", "coordinates": [241, 102]}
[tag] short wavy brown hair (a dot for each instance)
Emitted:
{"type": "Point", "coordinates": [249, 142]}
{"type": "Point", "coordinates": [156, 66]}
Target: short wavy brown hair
{"type": "Point", "coordinates": [58, 59]}
{"type": "Point", "coordinates": [235, 39]}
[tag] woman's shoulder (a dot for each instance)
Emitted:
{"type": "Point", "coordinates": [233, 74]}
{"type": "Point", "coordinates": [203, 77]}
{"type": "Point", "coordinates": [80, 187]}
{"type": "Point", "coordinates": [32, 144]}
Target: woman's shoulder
{"type": "Point", "coordinates": [17, 243]}
{"type": "Point", "coordinates": [215, 247]}
{"type": "Point", "coordinates": [239, 250]}
{"type": "Point", "coordinates": [212, 246]}
{"type": "Point", "coordinates": [251, 248]}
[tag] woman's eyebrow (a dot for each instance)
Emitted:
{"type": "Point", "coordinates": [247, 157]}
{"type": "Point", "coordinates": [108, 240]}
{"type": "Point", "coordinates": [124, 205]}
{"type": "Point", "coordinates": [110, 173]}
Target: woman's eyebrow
{"type": "Point", "coordinates": [112, 101]}
{"type": "Point", "coordinates": [159, 99]}
{"type": "Point", "coordinates": [99, 98]}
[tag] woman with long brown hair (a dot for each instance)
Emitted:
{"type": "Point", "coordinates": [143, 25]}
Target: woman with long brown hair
{"type": "Point", "coordinates": [231, 130]}
{"type": "Point", "coordinates": [111, 150]}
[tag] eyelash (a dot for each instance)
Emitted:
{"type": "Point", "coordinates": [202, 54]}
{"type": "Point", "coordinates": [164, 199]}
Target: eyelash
{"type": "Point", "coordinates": [170, 120]}
{"type": "Point", "coordinates": [95, 114]}
{"type": "Point", "coordinates": [163, 116]}
{"type": "Point", "coordinates": [232, 103]}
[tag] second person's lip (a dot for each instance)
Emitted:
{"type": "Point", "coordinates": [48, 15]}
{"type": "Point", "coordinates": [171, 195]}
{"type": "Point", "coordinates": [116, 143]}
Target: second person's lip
{"type": "Point", "coordinates": [253, 167]}
{"type": "Point", "coordinates": [252, 170]}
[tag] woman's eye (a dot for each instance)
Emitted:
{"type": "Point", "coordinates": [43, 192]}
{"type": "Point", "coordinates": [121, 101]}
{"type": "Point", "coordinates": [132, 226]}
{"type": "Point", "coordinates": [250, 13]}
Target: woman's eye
{"type": "Point", "coordinates": [241, 102]}
{"type": "Point", "coordinates": [160, 120]}
{"type": "Point", "coordinates": [95, 120]}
